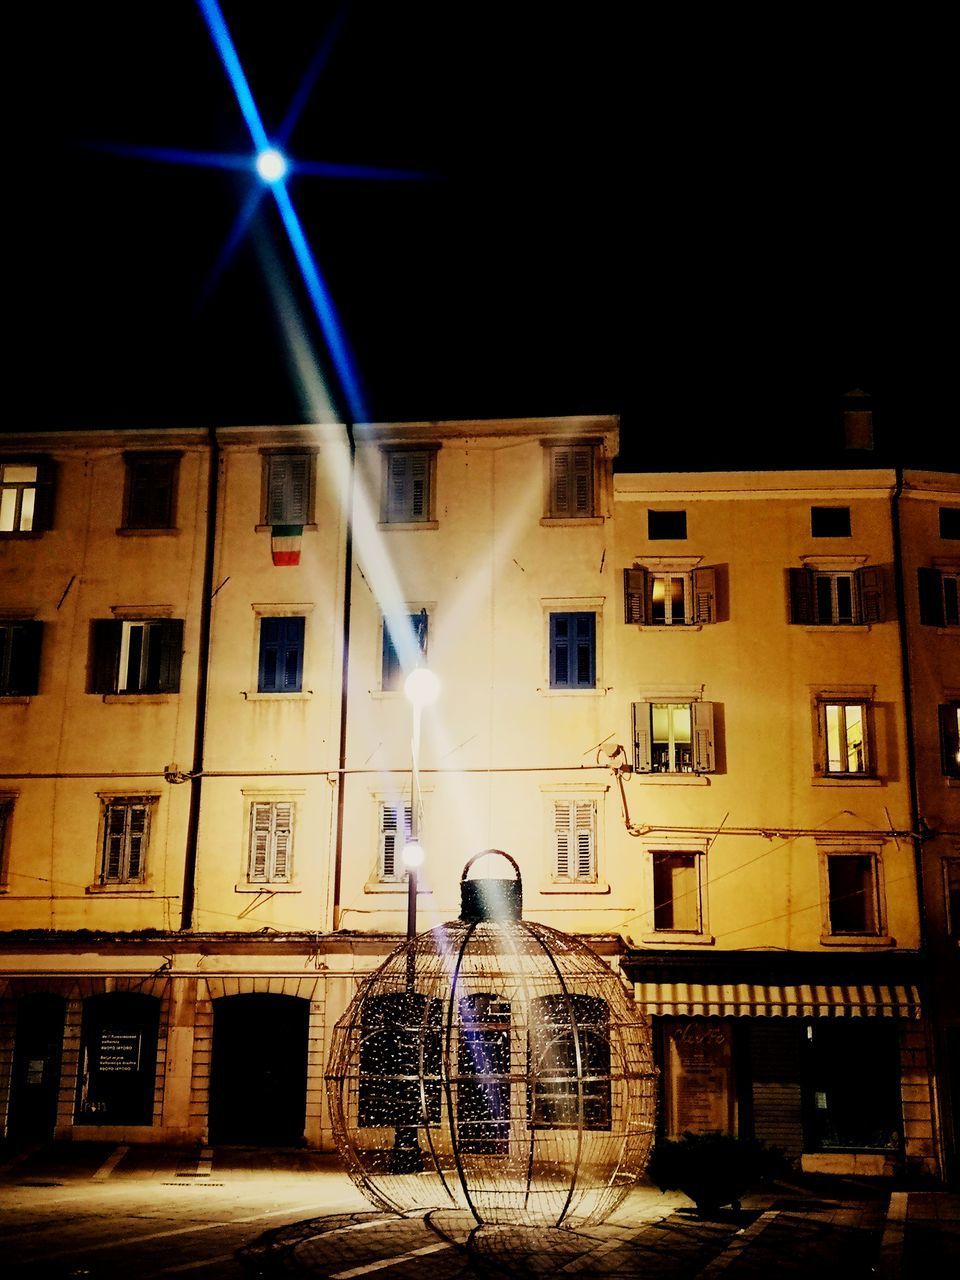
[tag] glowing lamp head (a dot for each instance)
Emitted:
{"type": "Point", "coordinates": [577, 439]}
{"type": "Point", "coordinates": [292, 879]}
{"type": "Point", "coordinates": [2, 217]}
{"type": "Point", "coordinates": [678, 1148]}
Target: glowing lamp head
{"type": "Point", "coordinates": [271, 165]}
{"type": "Point", "coordinates": [412, 854]}
{"type": "Point", "coordinates": [422, 687]}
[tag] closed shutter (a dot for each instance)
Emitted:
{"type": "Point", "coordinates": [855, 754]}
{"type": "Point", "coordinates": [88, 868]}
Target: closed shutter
{"type": "Point", "coordinates": [105, 654]}
{"type": "Point", "coordinates": [571, 481]}
{"type": "Point", "coordinates": [23, 661]}
{"type": "Point", "coordinates": [113, 833]}
{"type": "Point", "coordinates": [583, 481]}
{"type": "Point", "coordinates": [586, 624]}
{"type": "Point", "coordinates": [391, 839]}
{"type": "Point", "coordinates": [931, 597]}
{"type": "Point", "coordinates": [169, 636]}
{"type": "Point", "coordinates": [419, 477]}
{"type": "Point", "coordinates": [561, 482]}
{"type": "Point", "coordinates": [704, 595]}
{"type": "Point", "coordinates": [585, 818]}
{"type": "Point", "coordinates": [288, 482]}
{"type": "Point", "coordinates": [292, 673]}
{"type": "Point", "coordinates": [282, 841]}
{"type": "Point", "coordinates": [559, 650]}
{"type": "Point", "coordinates": [642, 754]}
{"type": "Point", "coordinates": [870, 585]}
{"type": "Point", "coordinates": [574, 837]}
{"type": "Point", "coordinates": [562, 837]}
{"type": "Point", "coordinates": [635, 596]}
{"type": "Point", "coordinates": [261, 814]}
{"type": "Point", "coordinates": [397, 473]}
{"type": "Point", "coordinates": [800, 583]}
{"type": "Point", "coordinates": [137, 820]}
{"type": "Point", "coordinates": [703, 753]}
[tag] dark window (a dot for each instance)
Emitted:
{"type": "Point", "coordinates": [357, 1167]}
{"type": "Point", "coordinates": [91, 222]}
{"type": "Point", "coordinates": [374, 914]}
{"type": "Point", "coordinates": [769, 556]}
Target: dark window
{"type": "Point", "coordinates": [852, 883]}
{"type": "Point", "coordinates": [136, 656]}
{"type": "Point", "coordinates": [950, 522]}
{"type": "Point", "coordinates": [852, 1093]}
{"type": "Point", "coordinates": [118, 1059]}
{"type": "Point", "coordinates": [939, 597]}
{"type": "Point", "coordinates": [568, 1089]}
{"type": "Point", "coordinates": [666, 525]}
{"type": "Point", "coordinates": [830, 522]}
{"type": "Point", "coordinates": [950, 738]}
{"type": "Point", "coordinates": [151, 490]}
{"type": "Point", "coordinates": [6, 818]}
{"type": "Point", "coordinates": [400, 1053]}
{"type": "Point", "coordinates": [287, 488]}
{"type": "Point", "coordinates": [483, 1064]}
{"type": "Point", "coordinates": [404, 645]}
{"type": "Point", "coordinates": [572, 481]}
{"type": "Point", "coordinates": [20, 658]}
{"type": "Point", "coordinates": [407, 497]}
{"type": "Point", "coordinates": [25, 495]}
{"type": "Point", "coordinates": [281, 655]}
{"type": "Point", "coordinates": [676, 891]}
{"type": "Point", "coordinates": [573, 650]}
{"type": "Point", "coordinates": [673, 737]}
{"type": "Point", "coordinates": [951, 888]}
{"type": "Point", "coordinates": [126, 834]}
{"type": "Point", "coordinates": [825, 598]}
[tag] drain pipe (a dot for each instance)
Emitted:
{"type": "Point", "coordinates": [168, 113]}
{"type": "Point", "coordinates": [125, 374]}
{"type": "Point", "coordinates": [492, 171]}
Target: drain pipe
{"type": "Point", "coordinates": [203, 665]}
{"type": "Point", "coordinates": [344, 674]}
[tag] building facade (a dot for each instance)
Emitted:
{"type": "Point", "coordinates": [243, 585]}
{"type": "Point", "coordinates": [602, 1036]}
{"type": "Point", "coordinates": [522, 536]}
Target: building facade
{"type": "Point", "coordinates": [713, 716]}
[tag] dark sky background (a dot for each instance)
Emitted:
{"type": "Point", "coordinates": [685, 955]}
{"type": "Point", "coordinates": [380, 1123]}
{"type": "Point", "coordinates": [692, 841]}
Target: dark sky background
{"type": "Point", "coordinates": [713, 224]}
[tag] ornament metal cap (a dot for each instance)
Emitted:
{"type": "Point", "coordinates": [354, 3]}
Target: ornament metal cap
{"type": "Point", "coordinates": [482, 900]}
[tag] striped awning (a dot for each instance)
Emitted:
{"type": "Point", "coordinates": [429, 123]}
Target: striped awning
{"type": "Point", "coordinates": [803, 1000]}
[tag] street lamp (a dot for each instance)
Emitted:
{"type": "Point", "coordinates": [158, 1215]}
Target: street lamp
{"type": "Point", "coordinates": [422, 689]}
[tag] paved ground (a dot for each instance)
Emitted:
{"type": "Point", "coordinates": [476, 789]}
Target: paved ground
{"type": "Point", "coordinates": [97, 1211]}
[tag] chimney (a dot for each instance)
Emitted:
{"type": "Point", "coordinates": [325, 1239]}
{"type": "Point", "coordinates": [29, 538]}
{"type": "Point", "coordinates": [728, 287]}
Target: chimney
{"type": "Point", "coordinates": [857, 420]}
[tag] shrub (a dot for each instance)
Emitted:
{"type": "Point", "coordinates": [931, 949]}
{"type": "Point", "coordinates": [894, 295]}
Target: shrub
{"type": "Point", "coordinates": [713, 1169]}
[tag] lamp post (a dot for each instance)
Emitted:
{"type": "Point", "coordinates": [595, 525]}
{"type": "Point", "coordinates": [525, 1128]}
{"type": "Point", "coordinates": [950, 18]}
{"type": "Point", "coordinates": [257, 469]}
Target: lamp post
{"type": "Point", "coordinates": [422, 689]}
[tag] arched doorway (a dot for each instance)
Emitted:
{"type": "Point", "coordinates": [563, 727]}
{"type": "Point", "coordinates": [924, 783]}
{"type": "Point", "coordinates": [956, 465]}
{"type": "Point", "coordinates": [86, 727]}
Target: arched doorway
{"type": "Point", "coordinates": [36, 1068]}
{"type": "Point", "coordinates": [258, 1075]}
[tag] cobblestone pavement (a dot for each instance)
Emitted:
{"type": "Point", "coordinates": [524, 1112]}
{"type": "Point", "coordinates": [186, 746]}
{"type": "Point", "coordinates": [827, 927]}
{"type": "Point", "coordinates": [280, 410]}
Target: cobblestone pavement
{"type": "Point", "coordinates": [98, 1211]}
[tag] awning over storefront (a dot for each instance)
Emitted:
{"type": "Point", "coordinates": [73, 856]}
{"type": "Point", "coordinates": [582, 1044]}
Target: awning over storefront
{"type": "Point", "coordinates": [782, 985]}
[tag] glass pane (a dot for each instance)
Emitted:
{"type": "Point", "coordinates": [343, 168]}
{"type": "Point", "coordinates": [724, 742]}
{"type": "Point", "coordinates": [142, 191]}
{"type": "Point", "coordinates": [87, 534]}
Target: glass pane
{"type": "Point", "coordinates": [19, 475]}
{"type": "Point", "coordinates": [834, 717]}
{"type": "Point", "coordinates": [661, 722]}
{"type": "Point", "coordinates": [824, 599]}
{"type": "Point", "coordinates": [676, 599]}
{"type": "Point", "coordinates": [852, 899]}
{"type": "Point", "coordinates": [681, 722]}
{"type": "Point", "coordinates": [844, 599]}
{"type": "Point", "coordinates": [951, 601]}
{"type": "Point", "coordinates": [856, 756]}
{"type": "Point", "coordinates": [8, 507]}
{"type": "Point", "coordinates": [658, 601]}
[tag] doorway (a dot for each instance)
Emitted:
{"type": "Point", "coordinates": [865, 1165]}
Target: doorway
{"type": "Point", "coordinates": [36, 1068]}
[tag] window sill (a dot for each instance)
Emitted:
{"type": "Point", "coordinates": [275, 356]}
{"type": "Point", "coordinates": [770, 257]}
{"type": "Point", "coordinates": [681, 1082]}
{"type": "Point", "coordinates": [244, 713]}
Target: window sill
{"type": "Point", "coordinates": [569, 522]}
{"type": "Point", "coordinates": [949, 780]}
{"type": "Point", "coordinates": [669, 626]}
{"type": "Point", "coordinates": [124, 890]}
{"type": "Point", "coordinates": [268, 528]}
{"type": "Point", "coordinates": [847, 780]}
{"type": "Point", "coordinates": [575, 886]}
{"type": "Point", "coordinates": [856, 940]}
{"type": "Point", "coordinates": [304, 695]}
{"type": "Point", "coordinates": [394, 886]}
{"type": "Point", "coordinates": [138, 699]}
{"type": "Point", "coordinates": [15, 699]}
{"type": "Point", "coordinates": [147, 533]}
{"type": "Point", "coordinates": [674, 779]}
{"type": "Point", "coordinates": [21, 534]}
{"type": "Point", "coordinates": [595, 692]}
{"type": "Point", "coordinates": [814, 628]}
{"type": "Point", "coordinates": [677, 937]}
{"type": "Point", "coordinates": [266, 887]}
{"type": "Point", "coordinates": [389, 526]}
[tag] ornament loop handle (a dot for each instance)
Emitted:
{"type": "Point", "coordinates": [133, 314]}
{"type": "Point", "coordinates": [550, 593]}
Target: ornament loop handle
{"type": "Point", "coordinates": [482, 854]}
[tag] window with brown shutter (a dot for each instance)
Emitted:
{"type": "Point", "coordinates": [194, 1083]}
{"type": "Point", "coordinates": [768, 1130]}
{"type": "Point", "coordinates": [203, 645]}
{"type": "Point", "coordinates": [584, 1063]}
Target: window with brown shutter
{"type": "Point", "coordinates": [575, 840]}
{"type": "Point", "coordinates": [151, 490]}
{"type": "Point", "coordinates": [126, 834]}
{"type": "Point", "coordinates": [408, 486]}
{"type": "Point", "coordinates": [572, 481]}
{"type": "Point", "coordinates": [271, 842]}
{"type": "Point", "coordinates": [287, 481]}
{"type": "Point", "coordinates": [662, 598]}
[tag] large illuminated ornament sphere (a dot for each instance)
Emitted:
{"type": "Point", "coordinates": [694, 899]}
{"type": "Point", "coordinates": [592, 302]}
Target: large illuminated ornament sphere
{"type": "Point", "coordinates": [495, 1066]}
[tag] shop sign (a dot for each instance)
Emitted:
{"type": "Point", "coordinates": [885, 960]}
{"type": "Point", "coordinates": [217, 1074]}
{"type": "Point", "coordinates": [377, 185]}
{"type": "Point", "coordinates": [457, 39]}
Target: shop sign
{"type": "Point", "coordinates": [119, 1052]}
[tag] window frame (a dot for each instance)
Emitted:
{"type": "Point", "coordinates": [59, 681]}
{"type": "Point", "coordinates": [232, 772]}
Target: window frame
{"type": "Point", "coordinates": [696, 847]}
{"type": "Point", "coordinates": [699, 595]}
{"type": "Point", "coordinates": [572, 645]}
{"type": "Point", "coordinates": [273, 491]}
{"type": "Point", "coordinates": [823, 702]}
{"type": "Point", "coordinates": [8, 800]}
{"type": "Point", "coordinates": [408, 512]}
{"type": "Point", "coordinates": [805, 596]}
{"type": "Point", "coordinates": [655, 517]}
{"type": "Point", "coordinates": [393, 674]}
{"type": "Point", "coordinates": [270, 876]}
{"type": "Point", "coordinates": [284, 648]}
{"type": "Point", "coordinates": [21, 646]}
{"type": "Point", "coordinates": [166, 461]}
{"type": "Point", "coordinates": [872, 857]}
{"type": "Point", "coordinates": [42, 488]}
{"type": "Point", "coordinates": [949, 725]}
{"type": "Point", "coordinates": [398, 876]}
{"type": "Point", "coordinates": [703, 740]}
{"type": "Point", "coordinates": [562, 498]}
{"type": "Point", "coordinates": [577, 807]}
{"type": "Point", "coordinates": [112, 644]}
{"type": "Point", "coordinates": [127, 803]}
{"type": "Point", "coordinates": [951, 895]}
{"type": "Point", "coordinates": [820, 516]}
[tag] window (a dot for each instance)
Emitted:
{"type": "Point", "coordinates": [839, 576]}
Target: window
{"type": "Point", "coordinates": [151, 490]}
{"type": "Point", "coordinates": [126, 834]}
{"type": "Point", "coordinates": [404, 644]}
{"type": "Point", "coordinates": [483, 1064]}
{"type": "Point", "coordinates": [950, 738]}
{"type": "Point", "coordinates": [676, 891]}
{"type": "Point", "coordinates": [830, 522]}
{"type": "Point", "coordinates": [280, 668]}
{"type": "Point", "coordinates": [951, 889]}
{"type": "Point", "coordinates": [407, 487]}
{"type": "Point", "coordinates": [271, 842]}
{"type": "Point", "coordinates": [25, 491]}
{"type": "Point", "coordinates": [670, 597]}
{"type": "Point", "coordinates": [575, 840]}
{"type": "Point", "coordinates": [138, 656]}
{"type": "Point", "coordinates": [844, 738]}
{"type": "Point", "coordinates": [673, 737]}
{"type": "Point", "coordinates": [6, 822]}
{"type": "Point", "coordinates": [828, 598]}
{"type": "Point", "coordinates": [569, 1062]}
{"type": "Point", "coordinates": [851, 1085]}
{"type": "Point", "coordinates": [573, 657]}
{"type": "Point", "coordinates": [287, 488]}
{"type": "Point", "coordinates": [572, 481]}
{"type": "Point", "coordinates": [939, 597]}
{"type": "Point", "coordinates": [395, 829]}
{"type": "Point", "coordinates": [20, 658]}
{"type": "Point", "coordinates": [853, 904]}
{"type": "Point", "coordinates": [666, 525]}
{"type": "Point", "coordinates": [950, 522]}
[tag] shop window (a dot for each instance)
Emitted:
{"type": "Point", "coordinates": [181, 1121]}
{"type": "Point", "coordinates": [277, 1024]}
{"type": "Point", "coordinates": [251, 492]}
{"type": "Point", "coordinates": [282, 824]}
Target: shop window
{"type": "Point", "coordinates": [408, 484]}
{"type": "Point", "coordinates": [827, 598]}
{"type": "Point", "coordinates": [673, 737]}
{"type": "Point", "coordinates": [118, 1059]}
{"type": "Point", "coordinates": [677, 891]}
{"type": "Point", "coordinates": [25, 496]}
{"type": "Point", "coordinates": [286, 488]}
{"type": "Point", "coordinates": [20, 644]}
{"type": "Point", "coordinates": [669, 598]}
{"type": "Point", "coordinates": [853, 894]}
{"type": "Point", "coordinates": [151, 490]}
{"type": "Point", "coordinates": [575, 841]}
{"type": "Point", "coordinates": [125, 840]}
{"type": "Point", "coordinates": [939, 597]}
{"type": "Point", "coordinates": [950, 739]}
{"type": "Point", "coordinates": [483, 1084]}
{"type": "Point", "coordinates": [950, 522]}
{"type": "Point", "coordinates": [843, 729]}
{"type": "Point", "coordinates": [403, 647]}
{"type": "Point", "coordinates": [830, 522]}
{"type": "Point", "coordinates": [270, 859]}
{"type": "Point", "coordinates": [852, 1091]}
{"type": "Point", "coordinates": [559, 1095]}
{"type": "Point", "coordinates": [280, 666]}
{"type": "Point", "coordinates": [572, 481]}
{"type": "Point", "coordinates": [136, 656]}
{"type": "Point", "coordinates": [670, 526]}
{"type": "Point", "coordinates": [395, 830]}
{"type": "Point", "coordinates": [951, 890]}
{"type": "Point", "coordinates": [573, 650]}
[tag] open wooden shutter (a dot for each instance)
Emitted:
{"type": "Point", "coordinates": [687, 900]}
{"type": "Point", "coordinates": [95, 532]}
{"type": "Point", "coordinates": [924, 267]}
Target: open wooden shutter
{"type": "Point", "coordinates": [561, 482]}
{"type": "Point", "coordinates": [635, 596]}
{"type": "Point", "coordinates": [105, 654]}
{"type": "Point", "coordinates": [931, 597]}
{"type": "Point", "coordinates": [800, 585]}
{"type": "Point", "coordinates": [398, 487]}
{"type": "Point", "coordinates": [113, 832]}
{"type": "Point", "coordinates": [138, 817]}
{"type": "Point", "coordinates": [261, 822]}
{"type": "Point", "coordinates": [392, 838]}
{"type": "Point", "coordinates": [169, 636]}
{"type": "Point", "coordinates": [703, 753]}
{"type": "Point", "coordinates": [642, 754]}
{"type": "Point", "coordinates": [704, 595]}
{"type": "Point", "coordinates": [870, 586]}
{"type": "Point", "coordinates": [282, 841]}
{"type": "Point", "coordinates": [585, 819]}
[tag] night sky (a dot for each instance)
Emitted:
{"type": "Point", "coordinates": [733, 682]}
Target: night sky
{"type": "Point", "coordinates": [707, 223]}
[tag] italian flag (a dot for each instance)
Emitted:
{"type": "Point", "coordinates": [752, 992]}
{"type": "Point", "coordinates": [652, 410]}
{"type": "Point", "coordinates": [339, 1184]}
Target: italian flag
{"type": "Point", "coordinates": [285, 543]}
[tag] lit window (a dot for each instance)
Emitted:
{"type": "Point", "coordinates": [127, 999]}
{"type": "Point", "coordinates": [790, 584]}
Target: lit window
{"type": "Point", "coordinates": [844, 728]}
{"type": "Point", "coordinates": [138, 656]}
{"type": "Point", "coordinates": [575, 840]}
{"type": "Point", "coordinates": [573, 657]}
{"type": "Point", "coordinates": [853, 899]}
{"type": "Point", "coordinates": [950, 738]}
{"type": "Point", "coordinates": [126, 833]}
{"type": "Point", "coordinates": [676, 892]}
{"type": "Point", "coordinates": [654, 598]}
{"type": "Point", "coordinates": [271, 842]}
{"type": "Point", "coordinates": [407, 486]}
{"type": "Point", "coordinates": [572, 492]}
{"type": "Point", "coordinates": [673, 737]}
{"type": "Point", "coordinates": [951, 887]}
{"type": "Point", "coordinates": [19, 484]}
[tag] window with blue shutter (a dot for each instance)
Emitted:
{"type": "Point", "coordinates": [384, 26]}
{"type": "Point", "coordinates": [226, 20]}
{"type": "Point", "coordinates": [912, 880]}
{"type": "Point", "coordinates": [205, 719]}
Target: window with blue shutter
{"type": "Point", "coordinates": [573, 659]}
{"type": "Point", "coordinates": [281, 655]}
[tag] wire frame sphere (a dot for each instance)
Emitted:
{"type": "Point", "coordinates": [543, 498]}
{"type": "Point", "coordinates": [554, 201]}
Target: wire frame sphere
{"type": "Point", "coordinates": [496, 1066]}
